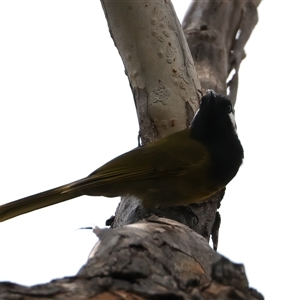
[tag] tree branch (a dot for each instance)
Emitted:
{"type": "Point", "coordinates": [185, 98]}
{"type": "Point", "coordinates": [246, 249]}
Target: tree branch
{"type": "Point", "coordinates": [160, 258]}
{"type": "Point", "coordinates": [153, 259]}
{"type": "Point", "coordinates": [217, 32]}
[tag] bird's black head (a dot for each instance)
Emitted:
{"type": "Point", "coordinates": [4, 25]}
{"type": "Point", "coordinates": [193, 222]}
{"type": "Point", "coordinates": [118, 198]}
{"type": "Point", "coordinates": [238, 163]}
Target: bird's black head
{"type": "Point", "coordinates": [214, 118]}
{"type": "Point", "coordinates": [214, 126]}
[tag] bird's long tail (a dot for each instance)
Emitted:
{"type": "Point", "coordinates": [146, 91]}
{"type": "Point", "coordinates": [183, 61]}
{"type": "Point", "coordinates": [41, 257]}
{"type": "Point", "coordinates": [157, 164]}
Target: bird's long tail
{"type": "Point", "coordinates": [37, 201]}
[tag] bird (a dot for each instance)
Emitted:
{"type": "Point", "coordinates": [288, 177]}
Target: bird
{"type": "Point", "coordinates": [182, 168]}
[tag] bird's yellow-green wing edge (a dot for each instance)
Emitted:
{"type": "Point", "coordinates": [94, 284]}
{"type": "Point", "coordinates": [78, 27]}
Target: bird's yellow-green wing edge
{"type": "Point", "coordinates": [181, 154]}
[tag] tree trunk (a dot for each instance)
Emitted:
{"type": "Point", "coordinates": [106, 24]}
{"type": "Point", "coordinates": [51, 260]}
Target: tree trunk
{"type": "Point", "coordinates": [164, 254]}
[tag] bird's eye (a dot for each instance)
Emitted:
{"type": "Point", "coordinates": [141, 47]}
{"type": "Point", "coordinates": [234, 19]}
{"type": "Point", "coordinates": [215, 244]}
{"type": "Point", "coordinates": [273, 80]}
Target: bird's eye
{"type": "Point", "coordinates": [229, 108]}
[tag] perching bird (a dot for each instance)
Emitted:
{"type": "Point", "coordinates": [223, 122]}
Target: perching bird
{"type": "Point", "coordinates": [182, 168]}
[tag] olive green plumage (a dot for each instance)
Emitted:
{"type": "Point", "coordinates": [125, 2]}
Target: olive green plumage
{"type": "Point", "coordinates": [182, 168]}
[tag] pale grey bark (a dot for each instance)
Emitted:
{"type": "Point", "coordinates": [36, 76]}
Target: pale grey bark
{"type": "Point", "coordinates": [158, 64]}
{"type": "Point", "coordinates": [217, 32]}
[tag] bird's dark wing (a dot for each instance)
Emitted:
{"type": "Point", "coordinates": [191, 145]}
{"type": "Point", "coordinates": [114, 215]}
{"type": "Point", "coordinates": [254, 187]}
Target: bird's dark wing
{"type": "Point", "coordinates": [174, 155]}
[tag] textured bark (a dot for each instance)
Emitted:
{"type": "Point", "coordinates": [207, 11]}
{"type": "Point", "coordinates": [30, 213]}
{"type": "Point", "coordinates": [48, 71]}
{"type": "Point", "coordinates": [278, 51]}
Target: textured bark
{"type": "Point", "coordinates": [165, 86]}
{"type": "Point", "coordinates": [217, 32]}
{"type": "Point", "coordinates": [158, 64]}
{"type": "Point", "coordinates": [159, 258]}
{"type": "Point", "coordinates": [153, 259]}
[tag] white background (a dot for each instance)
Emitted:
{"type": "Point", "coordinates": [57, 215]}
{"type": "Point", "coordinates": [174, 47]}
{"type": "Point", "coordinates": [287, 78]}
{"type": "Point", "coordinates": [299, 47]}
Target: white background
{"type": "Point", "coordinates": [66, 108]}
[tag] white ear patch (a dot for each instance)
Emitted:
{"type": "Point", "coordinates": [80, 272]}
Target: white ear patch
{"type": "Point", "coordinates": [232, 119]}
